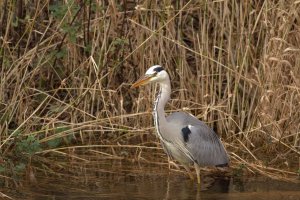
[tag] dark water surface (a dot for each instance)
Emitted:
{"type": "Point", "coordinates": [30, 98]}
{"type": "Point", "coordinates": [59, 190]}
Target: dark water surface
{"type": "Point", "coordinates": [155, 183]}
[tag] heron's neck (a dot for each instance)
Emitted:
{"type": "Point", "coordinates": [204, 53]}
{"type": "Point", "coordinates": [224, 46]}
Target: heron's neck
{"type": "Point", "coordinates": [161, 100]}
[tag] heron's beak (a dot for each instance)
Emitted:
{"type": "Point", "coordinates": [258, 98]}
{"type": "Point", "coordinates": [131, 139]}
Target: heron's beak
{"type": "Point", "coordinates": [142, 81]}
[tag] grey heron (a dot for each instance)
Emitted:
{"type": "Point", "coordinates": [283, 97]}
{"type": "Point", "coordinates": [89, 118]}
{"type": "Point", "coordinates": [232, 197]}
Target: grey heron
{"type": "Point", "coordinates": [183, 137]}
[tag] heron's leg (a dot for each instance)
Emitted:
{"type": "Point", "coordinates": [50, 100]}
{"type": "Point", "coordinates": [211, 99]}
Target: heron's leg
{"type": "Point", "coordinates": [198, 172]}
{"type": "Point", "coordinates": [170, 162]}
{"type": "Point", "coordinates": [188, 171]}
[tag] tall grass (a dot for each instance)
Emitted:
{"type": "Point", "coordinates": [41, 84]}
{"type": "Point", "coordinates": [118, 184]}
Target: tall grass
{"type": "Point", "coordinates": [66, 68]}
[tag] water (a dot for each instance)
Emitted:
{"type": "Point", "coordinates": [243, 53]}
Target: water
{"type": "Point", "coordinates": [147, 182]}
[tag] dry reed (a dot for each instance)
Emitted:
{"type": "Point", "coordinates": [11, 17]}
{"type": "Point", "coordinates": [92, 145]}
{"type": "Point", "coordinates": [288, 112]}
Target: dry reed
{"type": "Point", "coordinates": [66, 69]}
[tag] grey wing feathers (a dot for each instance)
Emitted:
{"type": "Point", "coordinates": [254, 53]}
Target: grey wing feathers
{"type": "Point", "coordinates": [204, 144]}
{"type": "Point", "coordinates": [206, 147]}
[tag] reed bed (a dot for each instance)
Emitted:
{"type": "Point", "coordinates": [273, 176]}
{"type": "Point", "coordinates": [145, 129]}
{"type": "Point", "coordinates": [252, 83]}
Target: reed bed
{"type": "Point", "coordinates": [66, 69]}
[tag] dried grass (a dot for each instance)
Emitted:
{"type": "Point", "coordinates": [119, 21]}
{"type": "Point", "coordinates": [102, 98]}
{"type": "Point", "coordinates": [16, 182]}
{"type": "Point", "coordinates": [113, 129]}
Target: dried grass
{"type": "Point", "coordinates": [66, 70]}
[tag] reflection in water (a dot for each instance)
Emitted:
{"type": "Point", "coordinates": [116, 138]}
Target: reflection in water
{"type": "Point", "coordinates": [190, 190]}
{"type": "Point", "coordinates": [153, 183]}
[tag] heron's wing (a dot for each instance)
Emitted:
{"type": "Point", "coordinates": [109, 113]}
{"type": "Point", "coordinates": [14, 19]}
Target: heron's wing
{"type": "Point", "coordinates": [202, 142]}
{"type": "Point", "coordinates": [205, 146]}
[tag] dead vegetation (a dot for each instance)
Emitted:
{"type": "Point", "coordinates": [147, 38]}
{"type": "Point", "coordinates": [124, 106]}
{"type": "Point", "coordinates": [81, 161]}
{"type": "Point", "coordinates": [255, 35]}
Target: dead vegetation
{"type": "Point", "coordinates": [66, 69]}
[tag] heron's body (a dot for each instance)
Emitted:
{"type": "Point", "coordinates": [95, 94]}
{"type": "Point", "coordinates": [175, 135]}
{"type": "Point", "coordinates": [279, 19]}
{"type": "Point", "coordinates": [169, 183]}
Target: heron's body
{"type": "Point", "coordinates": [183, 137]}
{"type": "Point", "coordinates": [198, 139]}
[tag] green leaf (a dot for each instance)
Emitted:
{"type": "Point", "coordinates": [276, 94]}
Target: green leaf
{"type": "Point", "coordinates": [58, 10]}
{"type": "Point", "coordinates": [120, 42]}
{"type": "Point", "coordinates": [29, 145]}
{"type": "Point", "coordinates": [71, 30]}
{"type": "Point", "coordinates": [88, 48]}
{"type": "Point", "coordinates": [61, 54]}
{"type": "Point", "coordinates": [2, 168]}
{"type": "Point", "coordinates": [54, 143]}
{"type": "Point", "coordinates": [20, 167]}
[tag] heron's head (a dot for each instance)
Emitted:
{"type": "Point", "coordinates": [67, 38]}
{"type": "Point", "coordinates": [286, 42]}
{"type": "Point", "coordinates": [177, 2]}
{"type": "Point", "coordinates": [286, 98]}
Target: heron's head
{"type": "Point", "coordinates": [154, 74]}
